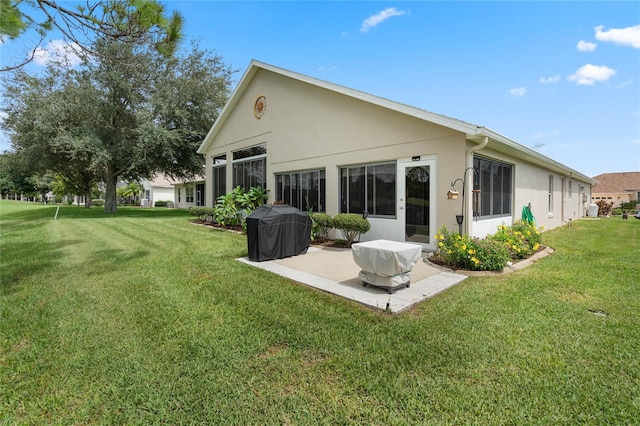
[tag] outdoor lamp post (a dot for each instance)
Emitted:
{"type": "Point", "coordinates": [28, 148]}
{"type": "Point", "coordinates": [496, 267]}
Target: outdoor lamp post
{"type": "Point", "coordinates": [453, 194]}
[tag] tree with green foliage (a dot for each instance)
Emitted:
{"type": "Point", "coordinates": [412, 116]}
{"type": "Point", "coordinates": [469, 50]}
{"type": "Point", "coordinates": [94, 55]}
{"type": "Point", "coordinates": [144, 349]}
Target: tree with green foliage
{"type": "Point", "coordinates": [124, 119]}
{"type": "Point", "coordinates": [124, 21]}
{"type": "Point", "coordinates": [14, 179]}
{"type": "Point", "coordinates": [49, 121]}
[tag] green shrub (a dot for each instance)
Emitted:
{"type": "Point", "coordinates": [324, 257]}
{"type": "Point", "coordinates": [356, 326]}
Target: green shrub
{"type": "Point", "coordinates": [226, 212]}
{"type": "Point", "coordinates": [201, 213]}
{"type": "Point", "coordinates": [514, 241]}
{"type": "Point", "coordinates": [493, 255]}
{"type": "Point", "coordinates": [232, 208]}
{"type": "Point", "coordinates": [324, 223]}
{"type": "Point", "coordinates": [161, 203]}
{"type": "Point", "coordinates": [351, 225]}
{"type": "Point", "coordinates": [521, 239]}
{"type": "Point", "coordinates": [97, 202]}
{"type": "Point", "coordinates": [532, 234]}
{"type": "Point", "coordinates": [457, 250]}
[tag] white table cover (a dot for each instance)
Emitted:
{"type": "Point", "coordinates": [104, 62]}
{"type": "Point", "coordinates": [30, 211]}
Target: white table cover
{"type": "Point", "coordinates": [386, 258]}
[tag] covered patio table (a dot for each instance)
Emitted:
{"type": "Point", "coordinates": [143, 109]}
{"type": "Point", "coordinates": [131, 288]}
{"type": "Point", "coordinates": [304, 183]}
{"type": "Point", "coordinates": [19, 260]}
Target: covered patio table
{"type": "Point", "coordinates": [386, 263]}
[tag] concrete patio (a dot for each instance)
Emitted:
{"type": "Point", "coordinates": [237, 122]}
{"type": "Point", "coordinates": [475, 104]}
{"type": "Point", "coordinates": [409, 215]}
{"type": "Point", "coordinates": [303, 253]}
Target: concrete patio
{"type": "Point", "coordinates": [333, 270]}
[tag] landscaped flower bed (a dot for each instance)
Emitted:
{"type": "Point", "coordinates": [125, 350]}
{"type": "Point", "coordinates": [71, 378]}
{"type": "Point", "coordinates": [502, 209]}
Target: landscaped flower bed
{"type": "Point", "coordinates": [492, 253]}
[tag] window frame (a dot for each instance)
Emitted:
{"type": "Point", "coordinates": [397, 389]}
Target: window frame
{"type": "Point", "coordinates": [189, 194]}
{"type": "Point", "coordinates": [219, 176]}
{"type": "Point", "coordinates": [489, 168]}
{"type": "Point", "coordinates": [256, 154]}
{"type": "Point", "coordinates": [368, 196]}
{"type": "Point", "coordinates": [293, 180]}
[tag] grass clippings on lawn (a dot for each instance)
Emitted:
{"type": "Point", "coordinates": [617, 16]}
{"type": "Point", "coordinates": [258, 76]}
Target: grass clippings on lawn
{"type": "Point", "coordinates": [142, 318]}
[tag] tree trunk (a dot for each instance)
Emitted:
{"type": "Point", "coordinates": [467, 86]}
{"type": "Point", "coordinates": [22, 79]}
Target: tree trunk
{"type": "Point", "coordinates": [88, 201]}
{"type": "Point", "coordinates": [110, 194]}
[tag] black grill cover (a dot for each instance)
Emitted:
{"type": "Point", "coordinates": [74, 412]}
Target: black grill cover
{"type": "Point", "coordinates": [277, 231]}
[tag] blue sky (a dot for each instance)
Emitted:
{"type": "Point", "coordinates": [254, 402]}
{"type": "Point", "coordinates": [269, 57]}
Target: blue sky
{"type": "Point", "coordinates": [560, 77]}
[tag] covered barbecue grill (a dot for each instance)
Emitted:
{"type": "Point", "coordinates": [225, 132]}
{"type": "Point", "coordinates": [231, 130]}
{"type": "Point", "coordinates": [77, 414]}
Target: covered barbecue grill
{"type": "Point", "coordinates": [277, 231]}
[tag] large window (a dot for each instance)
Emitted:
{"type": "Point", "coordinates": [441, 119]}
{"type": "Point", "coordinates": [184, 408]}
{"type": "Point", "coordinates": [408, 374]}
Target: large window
{"type": "Point", "coordinates": [188, 194]}
{"type": "Point", "coordinates": [370, 188]}
{"type": "Point", "coordinates": [494, 180]}
{"type": "Point", "coordinates": [249, 167]}
{"type": "Point", "coordinates": [304, 190]}
{"type": "Point", "coordinates": [219, 173]}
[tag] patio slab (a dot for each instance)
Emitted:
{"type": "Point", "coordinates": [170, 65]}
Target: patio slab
{"type": "Point", "coordinates": [334, 271]}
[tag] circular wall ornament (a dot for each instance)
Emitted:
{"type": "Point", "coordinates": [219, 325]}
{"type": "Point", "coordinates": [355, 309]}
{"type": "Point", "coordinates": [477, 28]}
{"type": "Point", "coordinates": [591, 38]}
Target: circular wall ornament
{"type": "Point", "coordinates": [260, 107]}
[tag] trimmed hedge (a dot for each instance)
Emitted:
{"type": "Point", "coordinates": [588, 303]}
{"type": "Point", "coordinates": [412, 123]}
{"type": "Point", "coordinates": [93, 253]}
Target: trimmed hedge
{"type": "Point", "coordinates": [351, 225]}
{"type": "Point", "coordinates": [324, 223]}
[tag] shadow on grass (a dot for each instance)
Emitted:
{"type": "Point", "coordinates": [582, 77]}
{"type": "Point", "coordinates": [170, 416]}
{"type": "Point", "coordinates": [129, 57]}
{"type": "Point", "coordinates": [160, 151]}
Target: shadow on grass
{"type": "Point", "coordinates": [29, 258]}
{"type": "Point", "coordinates": [104, 261]}
{"type": "Point", "coordinates": [79, 212]}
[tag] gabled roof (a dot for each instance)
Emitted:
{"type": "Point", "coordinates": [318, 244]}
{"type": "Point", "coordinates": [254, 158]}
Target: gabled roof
{"type": "Point", "coordinates": [611, 183]}
{"type": "Point", "coordinates": [473, 132]}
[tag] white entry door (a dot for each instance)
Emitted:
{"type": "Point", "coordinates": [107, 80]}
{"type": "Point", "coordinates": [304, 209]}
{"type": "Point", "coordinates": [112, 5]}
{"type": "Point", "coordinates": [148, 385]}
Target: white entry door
{"type": "Point", "coordinates": [417, 200]}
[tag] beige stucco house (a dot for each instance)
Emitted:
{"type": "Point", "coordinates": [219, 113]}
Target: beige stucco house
{"type": "Point", "coordinates": [190, 193]}
{"type": "Point", "coordinates": [617, 188]}
{"type": "Point", "coordinates": [324, 147]}
{"type": "Point", "coordinates": [160, 188]}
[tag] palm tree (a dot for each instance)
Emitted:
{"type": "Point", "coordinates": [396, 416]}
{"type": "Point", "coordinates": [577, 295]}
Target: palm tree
{"type": "Point", "coordinates": [131, 191]}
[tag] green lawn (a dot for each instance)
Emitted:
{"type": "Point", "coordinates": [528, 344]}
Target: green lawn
{"type": "Point", "coordinates": [142, 318]}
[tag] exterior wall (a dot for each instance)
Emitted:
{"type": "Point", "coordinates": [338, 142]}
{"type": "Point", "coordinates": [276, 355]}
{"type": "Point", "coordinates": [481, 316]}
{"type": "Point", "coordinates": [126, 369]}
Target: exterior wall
{"type": "Point", "coordinates": [162, 194]}
{"type": "Point", "coordinates": [531, 183]}
{"type": "Point", "coordinates": [181, 195]}
{"type": "Point", "coordinates": [617, 198]}
{"type": "Point", "coordinates": [307, 127]}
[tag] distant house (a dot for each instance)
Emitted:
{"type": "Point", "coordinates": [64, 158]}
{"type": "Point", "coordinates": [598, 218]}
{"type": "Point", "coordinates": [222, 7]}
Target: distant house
{"type": "Point", "coordinates": [324, 147]}
{"type": "Point", "coordinates": [183, 194]}
{"type": "Point", "coordinates": [160, 188]}
{"type": "Point", "coordinates": [617, 188]}
{"type": "Point", "coordinates": [190, 194]}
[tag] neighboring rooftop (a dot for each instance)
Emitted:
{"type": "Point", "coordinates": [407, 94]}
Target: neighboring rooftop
{"type": "Point", "coordinates": [610, 183]}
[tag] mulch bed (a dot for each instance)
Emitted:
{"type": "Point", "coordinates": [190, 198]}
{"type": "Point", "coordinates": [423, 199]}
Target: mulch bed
{"type": "Point", "coordinates": [236, 229]}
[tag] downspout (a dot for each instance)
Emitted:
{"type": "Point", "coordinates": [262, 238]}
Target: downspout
{"type": "Point", "coordinates": [469, 190]}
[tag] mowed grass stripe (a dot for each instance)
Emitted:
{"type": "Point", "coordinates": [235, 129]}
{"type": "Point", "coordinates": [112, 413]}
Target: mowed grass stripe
{"type": "Point", "coordinates": [186, 334]}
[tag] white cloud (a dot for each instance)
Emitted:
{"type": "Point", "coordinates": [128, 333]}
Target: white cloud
{"type": "Point", "coordinates": [330, 68]}
{"type": "Point", "coordinates": [629, 36]}
{"type": "Point", "coordinates": [552, 79]}
{"type": "Point", "coordinates": [375, 20]}
{"type": "Point", "coordinates": [588, 75]}
{"type": "Point", "coordinates": [58, 51]}
{"type": "Point", "coordinates": [586, 46]}
{"type": "Point", "coordinates": [518, 91]}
